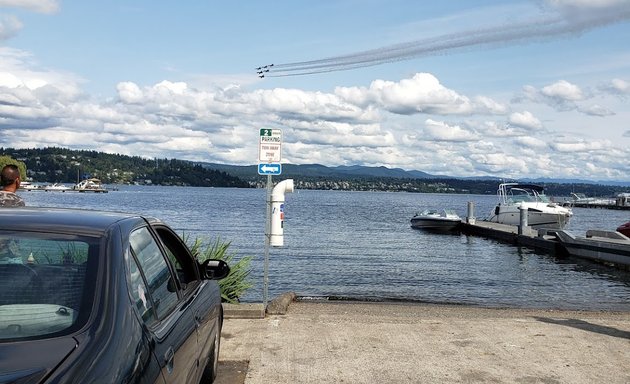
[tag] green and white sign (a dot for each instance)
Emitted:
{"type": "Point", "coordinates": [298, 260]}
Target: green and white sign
{"type": "Point", "coordinates": [270, 148]}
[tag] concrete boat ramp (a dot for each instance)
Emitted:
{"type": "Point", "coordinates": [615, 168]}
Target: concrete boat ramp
{"type": "Point", "coordinates": [332, 342]}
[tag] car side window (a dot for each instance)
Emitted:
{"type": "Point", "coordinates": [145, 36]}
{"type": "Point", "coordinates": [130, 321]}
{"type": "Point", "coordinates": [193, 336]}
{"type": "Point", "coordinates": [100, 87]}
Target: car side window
{"type": "Point", "coordinates": [140, 293]}
{"type": "Point", "coordinates": [153, 265]}
{"type": "Point", "coordinates": [180, 257]}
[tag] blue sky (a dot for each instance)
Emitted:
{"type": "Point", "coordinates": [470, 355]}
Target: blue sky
{"type": "Point", "coordinates": [509, 89]}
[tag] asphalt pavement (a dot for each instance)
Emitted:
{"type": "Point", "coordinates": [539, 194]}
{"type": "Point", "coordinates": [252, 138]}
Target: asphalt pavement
{"type": "Point", "coordinates": [349, 342]}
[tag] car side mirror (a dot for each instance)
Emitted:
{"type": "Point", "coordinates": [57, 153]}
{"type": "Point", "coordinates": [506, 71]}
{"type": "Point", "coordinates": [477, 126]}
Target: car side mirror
{"type": "Point", "coordinates": [213, 269]}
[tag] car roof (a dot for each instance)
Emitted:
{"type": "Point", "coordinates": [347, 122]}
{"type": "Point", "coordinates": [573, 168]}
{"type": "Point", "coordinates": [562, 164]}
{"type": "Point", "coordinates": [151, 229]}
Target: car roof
{"type": "Point", "coordinates": [63, 219]}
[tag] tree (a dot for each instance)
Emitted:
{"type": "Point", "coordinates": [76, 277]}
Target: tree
{"type": "Point", "coordinates": [6, 160]}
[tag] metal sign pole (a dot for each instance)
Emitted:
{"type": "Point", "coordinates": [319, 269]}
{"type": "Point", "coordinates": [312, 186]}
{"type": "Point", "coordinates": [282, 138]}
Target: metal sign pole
{"type": "Point", "coordinates": [269, 154]}
{"type": "Point", "coordinates": [267, 243]}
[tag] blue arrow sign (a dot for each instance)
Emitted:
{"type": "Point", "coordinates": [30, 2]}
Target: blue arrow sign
{"type": "Point", "coordinates": [269, 169]}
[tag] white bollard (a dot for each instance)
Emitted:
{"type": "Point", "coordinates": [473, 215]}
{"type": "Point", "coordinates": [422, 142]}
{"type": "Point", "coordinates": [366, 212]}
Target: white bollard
{"type": "Point", "coordinates": [277, 212]}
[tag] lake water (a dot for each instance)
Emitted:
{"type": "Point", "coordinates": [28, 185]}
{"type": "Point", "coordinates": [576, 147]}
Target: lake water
{"type": "Point", "coordinates": [360, 245]}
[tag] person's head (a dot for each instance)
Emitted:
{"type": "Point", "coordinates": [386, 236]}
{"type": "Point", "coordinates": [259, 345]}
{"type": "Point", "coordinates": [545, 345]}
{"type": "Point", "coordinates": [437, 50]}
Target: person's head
{"type": "Point", "coordinates": [10, 176]}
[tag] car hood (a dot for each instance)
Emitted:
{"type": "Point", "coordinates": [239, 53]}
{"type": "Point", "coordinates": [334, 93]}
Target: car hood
{"type": "Point", "coordinates": [27, 362]}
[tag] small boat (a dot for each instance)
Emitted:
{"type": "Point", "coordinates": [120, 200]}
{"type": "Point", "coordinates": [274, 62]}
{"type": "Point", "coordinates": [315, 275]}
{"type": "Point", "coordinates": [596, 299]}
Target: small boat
{"type": "Point", "coordinates": [624, 229]}
{"type": "Point", "coordinates": [541, 212]}
{"type": "Point", "coordinates": [601, 246]}
{"type": "Point", "coordinates": [436, 220]}
{"type": "Point", "coordinates": [580, 200]}
{"type": "Point", "coordinates": [58, 187]}
{"type": "Point", "coordinates": [90, 185]}
{"type": "Point", "coordinates": [28, 186]}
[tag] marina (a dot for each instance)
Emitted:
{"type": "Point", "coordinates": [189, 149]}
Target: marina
{"type": "Point", "coordinates": [524, 216]}
{"type": "Point", "coordinates": [609, 247]}
{"type": "Point", "coordinates": [87, 185]}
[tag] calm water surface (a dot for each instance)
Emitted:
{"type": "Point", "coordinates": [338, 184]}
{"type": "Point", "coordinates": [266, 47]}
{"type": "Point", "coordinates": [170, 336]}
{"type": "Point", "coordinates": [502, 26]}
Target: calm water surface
{"type": "Point", "coordinates": [360, 244]}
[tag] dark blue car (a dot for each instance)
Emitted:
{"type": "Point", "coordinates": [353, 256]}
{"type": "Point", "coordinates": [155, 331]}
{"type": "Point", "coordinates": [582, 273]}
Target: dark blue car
{"type": "Point", "coordinates": [101, 297]}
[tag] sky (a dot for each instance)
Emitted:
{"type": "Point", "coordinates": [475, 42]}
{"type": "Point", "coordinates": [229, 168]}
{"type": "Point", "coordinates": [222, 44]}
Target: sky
{"type": "Point", "coordinates": [511, 89]}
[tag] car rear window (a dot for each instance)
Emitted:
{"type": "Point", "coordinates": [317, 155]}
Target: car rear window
{"type": "Point", "coordinates": [46, 283]}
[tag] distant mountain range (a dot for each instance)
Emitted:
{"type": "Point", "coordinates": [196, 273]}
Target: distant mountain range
{"type": "Point", "coordinates": [65, 165]}
{"type": "Point", "coordinates": [357, 171]}
{"type": "Point", "coordinates": [317, 170]}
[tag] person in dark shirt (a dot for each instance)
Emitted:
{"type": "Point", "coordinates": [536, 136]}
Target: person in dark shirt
{"type": "Point", "coordinates": [10, 181]}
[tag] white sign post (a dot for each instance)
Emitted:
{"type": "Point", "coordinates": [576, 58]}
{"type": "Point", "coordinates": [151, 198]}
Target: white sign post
{"type": "Point", "coordinates": [269, 151]}
{"type": "Point", "coordinates": [270, 148]}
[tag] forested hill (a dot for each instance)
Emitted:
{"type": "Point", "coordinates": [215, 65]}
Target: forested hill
{"type": "Point", "coordinates": [60, 165]}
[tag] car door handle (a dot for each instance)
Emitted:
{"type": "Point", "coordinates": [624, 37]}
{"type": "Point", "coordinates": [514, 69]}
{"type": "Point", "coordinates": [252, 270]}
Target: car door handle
{"type": "Point", "coordinates": [169, 357]}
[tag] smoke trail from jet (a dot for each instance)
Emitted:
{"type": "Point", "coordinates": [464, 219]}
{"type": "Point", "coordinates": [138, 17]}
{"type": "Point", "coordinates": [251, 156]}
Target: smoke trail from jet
{"type": "Point", "coordinates": [562, 24]}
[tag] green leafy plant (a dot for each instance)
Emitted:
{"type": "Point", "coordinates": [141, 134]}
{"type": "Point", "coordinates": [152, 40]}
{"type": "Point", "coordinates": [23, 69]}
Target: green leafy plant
{"type": "Point", "coordinates": [237, 282]}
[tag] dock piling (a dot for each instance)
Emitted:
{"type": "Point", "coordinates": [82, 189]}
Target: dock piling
{"type": "Point", "coordinates": [470, 215]}
{"type": "Point", "coordinates": [523, 220]}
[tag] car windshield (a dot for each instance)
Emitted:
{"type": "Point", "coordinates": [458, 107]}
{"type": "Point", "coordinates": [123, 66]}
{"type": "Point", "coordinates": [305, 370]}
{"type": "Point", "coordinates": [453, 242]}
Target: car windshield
{"type": "Point", "coordinates": [46, 283]}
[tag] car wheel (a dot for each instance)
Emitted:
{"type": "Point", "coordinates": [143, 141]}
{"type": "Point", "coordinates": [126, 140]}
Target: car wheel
{"type": "Point", "coordinates": [210, 371]}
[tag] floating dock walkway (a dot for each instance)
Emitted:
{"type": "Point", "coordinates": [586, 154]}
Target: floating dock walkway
{"type": "Point", "coordinates": [69, 190]}
{"type": "Point", "coordinates": [594, 248]}
{"type": "Point", "coordinates": [510, 234]}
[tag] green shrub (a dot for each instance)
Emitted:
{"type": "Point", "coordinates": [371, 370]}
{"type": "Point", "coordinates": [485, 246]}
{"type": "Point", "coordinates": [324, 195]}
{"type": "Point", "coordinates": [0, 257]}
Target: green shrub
{"type": "Point", "coordinates": [237, 282]}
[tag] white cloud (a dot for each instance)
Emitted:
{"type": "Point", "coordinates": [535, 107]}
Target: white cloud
{"type": "Point", "coordinates": [9, 26]}
{"type": "Point", "coordinates": [422, 93]}
{"type": "Point", "coordinates": [374, 125]}
{"type": "Point", "coordinates": [16, 70]}
{"type": "Point", "coordinates": [580, 145]}
{"type": "Point", "coordinates": [438, 130]}
{"type": "Point", "coordinates": [40, 6]}
{"type": "Point", "coordinates": [531, 142]}
{"type": "Point", "coordinates": [585, 5]}
{"type": "Point", "coordinates": [490, 106]}
{"type": "Point", "coordinates": [129, 92]}
{"type": "Point", "coordinates": [500, 164]}
{"type": "Point", "coordinates": [498, 129]}
{"type": "Point", "coordinates": [596, 110]}
{"type": "Point", "coordinates": [563, 91]}
{"type": "Point", "coordinates": [618, 87]}
{"type": "Point", "coordinates": [525, 120]}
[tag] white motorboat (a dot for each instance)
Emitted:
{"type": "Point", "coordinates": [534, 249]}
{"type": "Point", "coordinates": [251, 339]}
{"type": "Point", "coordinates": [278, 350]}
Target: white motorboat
{"type": "Point", "coordinates": [90, 185]}
{"type": "Point", "coordinates": [580, 200]}
{"type": "Point", "coordinates": [541, 212]}
{"type": "Point", "coordinates": [436, 220]}
{"type": "Point", "coordinates": [58, 187]}
{"type": "Point", "coordinates": [28, 186]}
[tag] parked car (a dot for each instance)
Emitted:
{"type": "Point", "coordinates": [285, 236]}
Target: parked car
{"type": "Point", "coordinates": [624, 229]}
{"type": "Point", "coordinates": [102, 297]}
